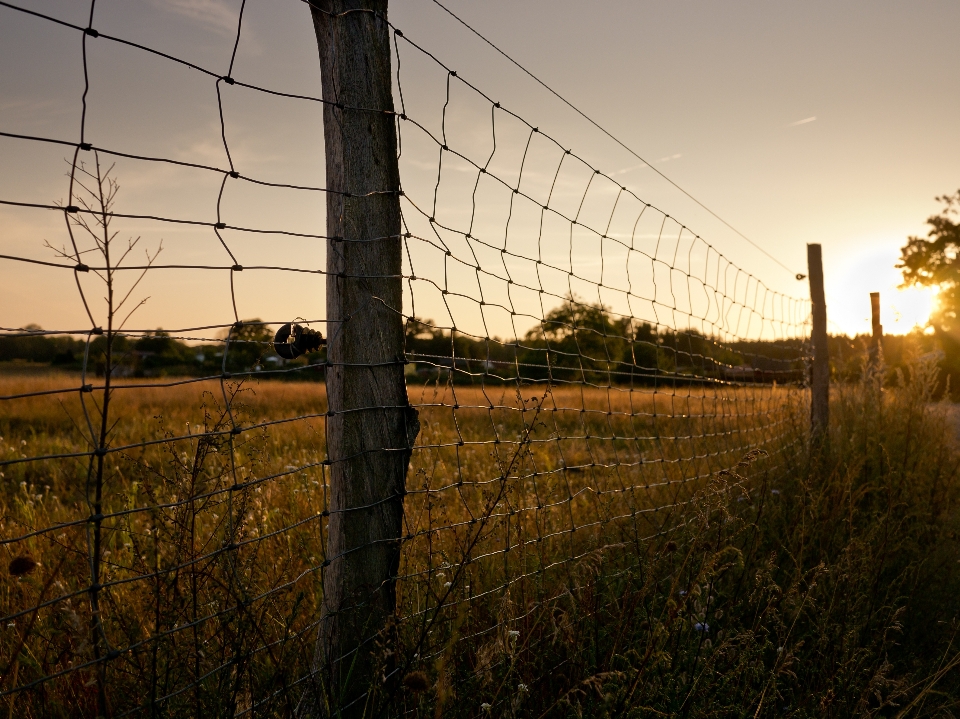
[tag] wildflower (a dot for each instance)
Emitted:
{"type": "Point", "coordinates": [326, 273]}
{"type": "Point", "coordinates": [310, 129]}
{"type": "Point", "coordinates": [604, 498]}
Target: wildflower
{"type": "Point", "coordinates": [447, 585]}
{"type": "Point", "coordinates": [775, 492]}
{"type": "Point", "coordinates": [702, 627]}
{"type": "Point", "coordinates": [485, 707]}
{"type": "Point", "coordinates": [522, 689]}
{"type": "Point", "coordinates": [513, 634]}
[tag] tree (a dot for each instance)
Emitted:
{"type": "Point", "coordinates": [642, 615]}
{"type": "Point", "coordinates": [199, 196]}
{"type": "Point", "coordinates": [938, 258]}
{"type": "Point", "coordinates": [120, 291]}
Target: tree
{"type": "Point", "coordinates": [934, 261]}
{"type": "Point", "coordinates": [589, 342]}
{"type": "Point", "coordinates": [250, 342]}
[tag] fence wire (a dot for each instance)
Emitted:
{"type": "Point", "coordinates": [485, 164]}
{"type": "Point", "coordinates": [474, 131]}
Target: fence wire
{"type": "Point", "coordinates": [581, 361]}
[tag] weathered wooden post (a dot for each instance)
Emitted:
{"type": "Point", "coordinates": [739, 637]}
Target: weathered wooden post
{"type": "Point", "coordinates": [370, 425]}
{"type": "Point", "coordinates": [820, 375]}
{"type": "Point", "coordinates": [876, 347]}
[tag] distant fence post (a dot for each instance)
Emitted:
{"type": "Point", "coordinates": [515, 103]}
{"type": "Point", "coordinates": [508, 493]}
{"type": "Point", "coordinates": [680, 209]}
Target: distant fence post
{"type": "Point", "coordinates": [820, 376]}
{"type": "Point", "coordinates": [876, 346]}
{"type": "Point", "coordinates": [370, 427]}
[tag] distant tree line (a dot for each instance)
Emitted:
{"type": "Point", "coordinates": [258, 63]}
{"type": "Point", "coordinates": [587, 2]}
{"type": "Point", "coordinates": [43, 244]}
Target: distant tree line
{"type": "Point", "coordinates": [156, 353]}
{"type": "Point", "coordinates": [62, 350]}
{"type": "Point", "coordinates": [580, 342]}
{"type": "Point", "coordinates": [576, 342]}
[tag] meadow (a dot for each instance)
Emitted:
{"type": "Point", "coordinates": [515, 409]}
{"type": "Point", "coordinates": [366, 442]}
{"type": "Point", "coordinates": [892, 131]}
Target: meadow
{"type": "Point", "coordinates": [569, 551]}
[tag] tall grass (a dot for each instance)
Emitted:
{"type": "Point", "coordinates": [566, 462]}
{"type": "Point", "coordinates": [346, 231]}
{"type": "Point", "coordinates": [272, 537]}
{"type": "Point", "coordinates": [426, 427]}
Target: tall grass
{"type": "Point", "coordinates": [831, 589]}
{"type": "Point", "coordinates": [575, 552]}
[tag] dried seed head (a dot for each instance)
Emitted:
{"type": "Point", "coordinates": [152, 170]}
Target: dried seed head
{"type": "Point", "coordinates": [416, 682]}
{"type": "Point", "coordinates": [671, 546]}
{"type": "Point", "coordinates": [22, 565]}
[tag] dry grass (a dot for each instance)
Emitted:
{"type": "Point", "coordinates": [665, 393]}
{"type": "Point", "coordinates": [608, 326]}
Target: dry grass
{"type": "Point", "coordinates": [213, 541]}
{"type": "Point", "coordinates": [197, 573]}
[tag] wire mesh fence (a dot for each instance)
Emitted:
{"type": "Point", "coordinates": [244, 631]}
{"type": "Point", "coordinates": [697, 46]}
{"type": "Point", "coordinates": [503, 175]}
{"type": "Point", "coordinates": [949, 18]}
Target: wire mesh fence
{"type": "Point", "coordinates": [580, 363]}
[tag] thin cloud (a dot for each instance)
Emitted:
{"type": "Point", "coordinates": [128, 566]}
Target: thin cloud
{"type": "Point", "coordinates": [804, 121]}
{"type": "Point", "coordinates": [625, 170]}
{"type": "Point", "coordinates": [216, 14]}
{"type": "Point", "coordinates": [35, 108]}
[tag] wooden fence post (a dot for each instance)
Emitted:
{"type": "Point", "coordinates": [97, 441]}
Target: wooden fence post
{"type": "Point", "coordinates": [820, 376]}
{"type": "Point", "coordinates": [370, 426]}
{"type": "Point", "coordinates": [876, 346]}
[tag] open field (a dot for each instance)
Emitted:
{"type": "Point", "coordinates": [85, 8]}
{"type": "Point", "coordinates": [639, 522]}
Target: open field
{"type": "Point", "coordinates": [553, 476]}
{"type": "Point", "coordinates": [173, 602]}
{"type": "Point", "coordinates": [566, 551]}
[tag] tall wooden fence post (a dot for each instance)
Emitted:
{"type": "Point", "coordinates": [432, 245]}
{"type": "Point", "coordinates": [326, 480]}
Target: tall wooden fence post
{"type": "Point", "coordinates": [370, 427]}
{"type": "Point", "coordinates": [876, 347]}
{"type": "Point", "coordinates": [820, 376]}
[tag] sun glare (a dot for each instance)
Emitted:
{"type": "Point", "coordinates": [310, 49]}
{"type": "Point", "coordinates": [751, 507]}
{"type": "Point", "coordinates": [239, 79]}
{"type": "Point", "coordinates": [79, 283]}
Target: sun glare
{"type": "Point", "coordinates": [848, 294]}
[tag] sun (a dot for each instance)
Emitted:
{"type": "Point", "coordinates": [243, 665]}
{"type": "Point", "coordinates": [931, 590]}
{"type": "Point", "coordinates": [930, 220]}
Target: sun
{"type": "Point", "coordinates": [848, 291]}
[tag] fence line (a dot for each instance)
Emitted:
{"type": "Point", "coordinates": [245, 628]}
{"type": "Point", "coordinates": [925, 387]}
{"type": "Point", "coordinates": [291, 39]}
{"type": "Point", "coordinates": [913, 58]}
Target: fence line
{"type": "Point", "coordinates": [581, 365]}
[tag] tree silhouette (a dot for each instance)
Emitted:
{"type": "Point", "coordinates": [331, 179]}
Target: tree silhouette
{"type": "Point", "coordinates": [934, 261]}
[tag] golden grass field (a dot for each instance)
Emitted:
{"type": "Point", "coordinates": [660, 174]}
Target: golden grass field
{"type": "Point", "coordinates": [211, 543]}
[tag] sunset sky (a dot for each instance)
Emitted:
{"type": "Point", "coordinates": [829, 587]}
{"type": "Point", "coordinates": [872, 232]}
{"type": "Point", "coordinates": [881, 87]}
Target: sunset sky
{"type": "Point", "coordinates": [816, 122]}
